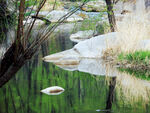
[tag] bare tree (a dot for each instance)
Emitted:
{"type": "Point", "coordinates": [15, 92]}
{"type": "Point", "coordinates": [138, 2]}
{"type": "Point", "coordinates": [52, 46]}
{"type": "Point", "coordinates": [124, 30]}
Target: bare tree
{"type": "Point", "coordinates": [24, 47]}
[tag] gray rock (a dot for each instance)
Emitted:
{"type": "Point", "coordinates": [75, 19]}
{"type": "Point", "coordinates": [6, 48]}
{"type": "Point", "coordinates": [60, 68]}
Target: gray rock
{"type": "Point", "coordinates": [94, 6]}
{"type": "Point", "coordinates": [68, 27]}
{"type": "Point", "coordinates": [91, 48]}
{"type": "Point", "coordinates": [37, 22]}
{"type": "Point", "coordinates": [82, 35]}
{"type": "Point", "coordinates": [55, 15]}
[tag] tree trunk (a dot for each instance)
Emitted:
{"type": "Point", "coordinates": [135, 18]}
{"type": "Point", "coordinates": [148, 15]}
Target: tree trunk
{"type": "Point", "coordinates": [12, 70]}
{"type": "Point", "coordinates": [12, 60]}
{"type": "Point", "coordinates": [111, 93]}
{"type": "Point", "coordinates": [111, 15]}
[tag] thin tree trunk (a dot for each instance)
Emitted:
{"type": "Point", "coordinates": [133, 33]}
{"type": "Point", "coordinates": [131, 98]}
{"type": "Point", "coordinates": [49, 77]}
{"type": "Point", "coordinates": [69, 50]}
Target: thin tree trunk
{"type": "Point", "coordinates": [111, 94]}
{"type": "Point", "coordinates": [20, 29]}
{"type": "Point", "coordinates": [111, 15]}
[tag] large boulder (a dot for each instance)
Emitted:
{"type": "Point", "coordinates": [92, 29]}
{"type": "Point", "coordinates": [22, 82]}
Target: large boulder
{"type": "Point", "coordinates": [94, 47]}
{"type": "Point", "coordinates": [94, 6]}
{"type": "Point", "coordinates": [91, 48]}
{"type": "Point", "coordinates": [55, 15]}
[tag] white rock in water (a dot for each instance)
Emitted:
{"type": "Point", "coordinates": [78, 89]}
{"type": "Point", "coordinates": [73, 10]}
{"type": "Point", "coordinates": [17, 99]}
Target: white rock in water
{"type": "Point", "coordinates": [54, 90]}
{"type": "Point", "coordinates": [55, 15]}
{"type": "Point", "coordinates": [57, 57]}
{"type": "Point", "coordinates": [91, 48]}
{"type": "Point", "coordinates": [37, 22]}
{"type": "Point", "coordinates": [94, 47]}
{"type": "Point", "coordinates": [82, 35]}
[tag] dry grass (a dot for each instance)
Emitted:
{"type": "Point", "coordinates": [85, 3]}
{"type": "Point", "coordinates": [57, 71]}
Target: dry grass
{"type": "Point", "coordinates": [132, 90]}
{"type": "Point", "coordinates": [131, 31]}
{"type": "Point", "coordinates": [129, 90]}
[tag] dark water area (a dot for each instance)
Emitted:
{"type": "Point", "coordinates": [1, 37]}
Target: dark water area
{"type": "Point", "coordinates": [84, 92]}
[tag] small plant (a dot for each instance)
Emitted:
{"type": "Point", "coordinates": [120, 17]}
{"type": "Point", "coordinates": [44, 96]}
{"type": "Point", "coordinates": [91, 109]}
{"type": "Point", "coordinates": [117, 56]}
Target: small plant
{"type": "Point", "coordinates": [138, 56]}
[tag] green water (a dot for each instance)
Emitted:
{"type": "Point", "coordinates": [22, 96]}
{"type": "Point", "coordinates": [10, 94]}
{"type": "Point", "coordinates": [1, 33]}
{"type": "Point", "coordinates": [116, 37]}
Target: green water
{"type": "Point", "coordinates": [84, 93]}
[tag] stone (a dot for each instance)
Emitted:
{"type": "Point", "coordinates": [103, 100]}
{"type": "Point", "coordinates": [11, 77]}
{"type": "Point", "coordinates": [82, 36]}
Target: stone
{"type": "Point", "coordinates": [54, 90]}
{"type": "Point", "coordinates": [82, 35]}
{"type": "Point", "coordinates": [91, 48]}
{"type": "Point", "coordinates": [68, 27]}
{"type": "Point", "coordinates": [37, 22]}
{"type": "Point", "coordinates": [41, 14]}
{"type": "Point", "coordinates": [83, 15]}
{"type": "Point", "coordinates": [94, 6]}
{"type": "Point", "coordinates": [92, 66]}
{"type": "Point", "coordinates": [55, 15]}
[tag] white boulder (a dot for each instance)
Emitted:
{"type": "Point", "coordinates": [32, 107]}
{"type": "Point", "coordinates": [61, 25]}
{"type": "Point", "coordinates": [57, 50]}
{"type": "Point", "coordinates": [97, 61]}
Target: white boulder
{"type": "Point", "coordinates": [94, 47]}
{"type": "Point", "coordinates": [55, 15]}
{"type": "Point", "coordinates": [91, 48]}
{"type": "Point", "coordinates": [54, 90]}
{"type": "Point", "coordinates": [37, 22]}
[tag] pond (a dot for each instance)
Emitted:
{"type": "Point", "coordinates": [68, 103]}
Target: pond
{"type": "Point", "coordinates": [84, 92]}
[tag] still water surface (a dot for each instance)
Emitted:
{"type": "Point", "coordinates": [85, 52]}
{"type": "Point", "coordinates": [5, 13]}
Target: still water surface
{"type": "Point", "coordinates": [84, 92]}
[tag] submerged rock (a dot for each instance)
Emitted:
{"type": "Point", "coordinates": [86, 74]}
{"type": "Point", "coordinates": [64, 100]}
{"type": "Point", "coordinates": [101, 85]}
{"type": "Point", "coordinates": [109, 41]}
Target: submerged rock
{"type": "Point", "coordinates": [55, 15]}
{"type": "Point", "coordinates": [82, 35]}
{"type": "Point", "coordinates": [54, 90]}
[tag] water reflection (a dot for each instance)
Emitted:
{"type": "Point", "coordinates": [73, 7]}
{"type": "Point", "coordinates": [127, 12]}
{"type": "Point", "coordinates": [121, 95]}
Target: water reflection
{"type": "Point", "coordinates": [85, 92]}
{"type": "Point", "coordinates": [128, 88]}
{"type": "Point", "coordinates": [92, 66]}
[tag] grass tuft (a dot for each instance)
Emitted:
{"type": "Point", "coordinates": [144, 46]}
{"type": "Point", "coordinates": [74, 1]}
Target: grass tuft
{"type": "Point", "coordinates": [136, 57]}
